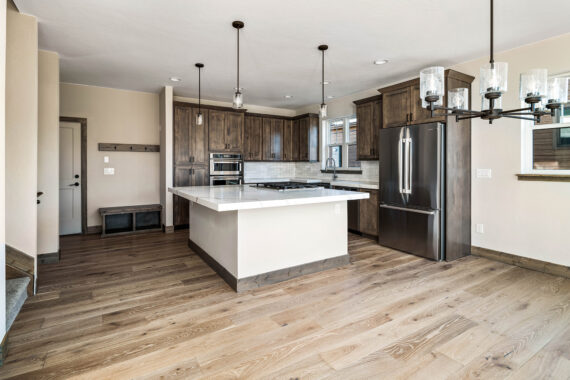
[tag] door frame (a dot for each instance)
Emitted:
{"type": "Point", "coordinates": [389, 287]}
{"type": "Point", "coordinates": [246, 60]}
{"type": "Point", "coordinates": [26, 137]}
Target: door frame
{"type": "Point", "coordinates": [83, 122]}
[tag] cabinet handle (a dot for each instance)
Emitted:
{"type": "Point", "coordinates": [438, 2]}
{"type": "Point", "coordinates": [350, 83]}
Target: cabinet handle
{"type": "Point", "coordinates": [411, 116]}
{"type": "Point", "coordinates": [407, 117]}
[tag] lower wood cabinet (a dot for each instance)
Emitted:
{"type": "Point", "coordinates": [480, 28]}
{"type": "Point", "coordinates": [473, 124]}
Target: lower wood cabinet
{"type": "Point", "coordinates": [186, 176]}
{"type": "Point", "coordinates": [362, 214]}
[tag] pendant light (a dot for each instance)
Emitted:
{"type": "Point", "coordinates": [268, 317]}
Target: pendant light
{"type": "Point", "coordinates": [536, 90]}
{"type": "Point", "coordinates": [199, 116]}
{"type": "Point", "coordinates": [238, 96]}
{"type": "Point", "coordinates": [323, 110]}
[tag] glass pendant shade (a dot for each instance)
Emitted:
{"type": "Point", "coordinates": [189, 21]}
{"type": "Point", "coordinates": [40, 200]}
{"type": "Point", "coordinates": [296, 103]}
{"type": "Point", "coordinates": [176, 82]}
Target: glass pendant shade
{"type": "Point", "coordinates": [557, 90]}
{"type": "Point", "coordinates": [493, 78]}
{"type": "Point", "coordinates": [458, 98]}
{"type": "Point", "coordinates": [497, 103]}
{"type": "Point", "coordinates": [238, 100]}
{"type": "Point", "coordinates": [432, 84]}
{"type": "Point", "coordinates": [199, 118]}
{"type": "Point", "coordinates": [534, 84]}
{"type": "Point", "coordinates": [323, 111]}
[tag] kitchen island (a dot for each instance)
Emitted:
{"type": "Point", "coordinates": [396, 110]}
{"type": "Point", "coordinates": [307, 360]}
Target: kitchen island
{"type": "Point", "coordinates": [255, 236]}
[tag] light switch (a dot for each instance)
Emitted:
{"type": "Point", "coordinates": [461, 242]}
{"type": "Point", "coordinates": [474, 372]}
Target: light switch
{"type": "Point", "coordinates": [484, 173]}
{"type": "Point", "coordinates": [106, 159]}
{"type": "Point", "coordinates": [480, 228]}
{"type": "Point", "coordinates": [109, 171]}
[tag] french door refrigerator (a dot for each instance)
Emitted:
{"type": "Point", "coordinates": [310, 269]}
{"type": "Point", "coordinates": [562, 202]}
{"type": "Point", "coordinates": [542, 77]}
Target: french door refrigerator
{"type": "Point", "coordinates": [411, 189]}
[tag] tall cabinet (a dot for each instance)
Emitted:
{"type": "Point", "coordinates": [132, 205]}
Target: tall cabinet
{"type": "Point", "coordinates": [401, 105]}
{"type": "Point", "coordinates": [369, 119]}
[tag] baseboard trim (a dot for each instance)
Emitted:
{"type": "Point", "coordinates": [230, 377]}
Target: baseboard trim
{"type": "Point", "coordinates": [94, 230]}
{"type": "Point", "coordinates": [49, 258]}
{"type": "Point", "coordinates": [523, 262]}
{"type": "Point", "coordinates": [167, 229]}
{"type": "Point", "coordinates": [268, 278]}
{"type": "Point", "coordinates": [20, 260]}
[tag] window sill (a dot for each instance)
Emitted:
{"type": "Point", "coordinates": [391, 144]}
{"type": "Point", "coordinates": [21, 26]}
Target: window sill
{"type": "Point", "coordinates": [343, 171]}
{"type": "Point", "coordinates": [544, 177]}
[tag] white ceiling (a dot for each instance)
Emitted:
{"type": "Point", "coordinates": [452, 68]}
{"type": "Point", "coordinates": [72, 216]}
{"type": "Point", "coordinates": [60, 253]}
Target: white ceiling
{"type": "Point", "coordinates": [139, 45]}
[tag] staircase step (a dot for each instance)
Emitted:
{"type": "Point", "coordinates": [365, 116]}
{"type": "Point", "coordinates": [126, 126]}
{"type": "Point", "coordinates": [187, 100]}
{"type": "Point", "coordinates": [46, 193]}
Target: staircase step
{"type": "Point", "coordinates": [15, 297]}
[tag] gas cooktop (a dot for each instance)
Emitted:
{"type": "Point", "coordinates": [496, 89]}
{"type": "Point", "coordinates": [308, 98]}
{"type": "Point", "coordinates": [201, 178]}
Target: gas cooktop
{"type": "Point", "coordinates": [287, 186]}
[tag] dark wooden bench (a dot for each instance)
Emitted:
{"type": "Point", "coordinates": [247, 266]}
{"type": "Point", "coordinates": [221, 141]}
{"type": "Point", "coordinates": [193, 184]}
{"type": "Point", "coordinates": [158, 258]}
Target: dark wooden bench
{"type": "Point", "coordinates": [130, 219]}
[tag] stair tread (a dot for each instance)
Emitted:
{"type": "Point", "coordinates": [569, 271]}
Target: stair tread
{"type": "Point", "coordinates": [16, 295]}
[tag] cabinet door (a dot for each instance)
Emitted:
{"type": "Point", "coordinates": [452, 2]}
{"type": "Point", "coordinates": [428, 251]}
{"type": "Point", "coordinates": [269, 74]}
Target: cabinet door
{"type": "Point", "coordinates": [303, 139]}
{"type": "Point", "coordinates": [376, 125]}
{"type": "Point", "coordinates": [364, 115]}
{"type": "Point", "coordinates": [396, 108]}
{"type": "Point", "coordinates": [295, 140]}
{"type": "Point", "coordinates": [181, 143]}
{"type": "Point", "coordinates": [199, 139]}
{"type": "Point", "coordinates": [217, 130]}
{"type": "Point", "coordinates": [252, 138]}
{"type": "Point", "coordinates": [267, 141]}
{"type": "Point", "coordinates": [369, 213]}
{"type": "Point", "coordinates": [313, 138]}
{"type": "Point", "coordinates": [200, 176]}
{"type": "Point", "coordinates": [234, 131]}
{"type": "Point", "coordinates": [180, 205]}
{"type": "Point", "coordinates": [277, 139]}
{"type": "Point", "coordinates": [287, 140]}
{"type": "Point", "coordinates": [418, 114]}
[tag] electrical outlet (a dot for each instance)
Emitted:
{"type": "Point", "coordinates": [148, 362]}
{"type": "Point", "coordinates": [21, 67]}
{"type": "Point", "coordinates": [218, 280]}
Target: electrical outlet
{"type": "Point", "coordinates": [109, 171]}
{"type": "Point", "coordinates": [480, 228]}
{"type": "Point", "coordinates": [106, 159]}
{"type": "Point", "coordinates": [484, 173]}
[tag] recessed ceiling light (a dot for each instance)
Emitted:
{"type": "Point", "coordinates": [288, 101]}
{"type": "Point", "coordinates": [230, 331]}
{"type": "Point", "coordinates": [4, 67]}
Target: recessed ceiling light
{"type": "Point", "coordinates": [326, 82]}
{"type": "Point", "coordinates": [175, 79]}
{"type": "Point", "coordinates": [380, 61]}
{"type": "Point", "coordinates": [288, 96]}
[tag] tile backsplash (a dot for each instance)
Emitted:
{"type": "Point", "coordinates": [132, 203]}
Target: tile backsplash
{"type": "Point", "coordinates": [258, 170]}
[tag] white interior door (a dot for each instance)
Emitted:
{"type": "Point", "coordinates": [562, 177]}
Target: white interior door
{"type": "Point", "coordinates": [69, 178]}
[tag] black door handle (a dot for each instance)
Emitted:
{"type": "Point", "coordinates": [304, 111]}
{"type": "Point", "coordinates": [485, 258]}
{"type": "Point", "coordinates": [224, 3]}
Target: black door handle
{"type": "Point", "coordinates": [74, 184]}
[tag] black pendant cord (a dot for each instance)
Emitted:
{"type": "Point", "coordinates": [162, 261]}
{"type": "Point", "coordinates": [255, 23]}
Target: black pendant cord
{"type": "Point", "coordinates": [492, 59]}
{"type": "Point", "coordinates": [199, 90]}
{"type": "Point", "coordinates": [323, 79]}
{"type": "Point", "coordinates": [238, 64]}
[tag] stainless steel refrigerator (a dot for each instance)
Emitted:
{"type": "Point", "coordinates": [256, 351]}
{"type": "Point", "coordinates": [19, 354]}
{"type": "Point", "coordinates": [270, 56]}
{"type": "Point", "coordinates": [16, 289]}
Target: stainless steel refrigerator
{"type": "Point", "coordinates": [411, 189]}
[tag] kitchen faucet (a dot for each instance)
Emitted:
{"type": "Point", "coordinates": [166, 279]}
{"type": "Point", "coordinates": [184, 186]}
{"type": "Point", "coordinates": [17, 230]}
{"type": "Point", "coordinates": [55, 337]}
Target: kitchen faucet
{"type": "Point", "coordinates": [333, 166]}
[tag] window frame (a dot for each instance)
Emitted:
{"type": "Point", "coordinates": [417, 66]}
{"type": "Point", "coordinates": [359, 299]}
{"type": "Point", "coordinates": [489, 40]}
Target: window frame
{"type": "Point", "coordinates": [326, 124]}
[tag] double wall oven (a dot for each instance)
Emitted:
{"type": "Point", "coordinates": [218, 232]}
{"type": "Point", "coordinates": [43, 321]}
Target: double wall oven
{"type": "Point", "coordinates": [226, 169]}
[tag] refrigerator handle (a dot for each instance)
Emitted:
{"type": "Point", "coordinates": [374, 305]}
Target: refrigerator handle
{"type": "Point", "coordinates": [400, 176]}
{"type": "Point", "coordinates": [407, 188]}
{"type": "Point", "coordinates": [410, 164]}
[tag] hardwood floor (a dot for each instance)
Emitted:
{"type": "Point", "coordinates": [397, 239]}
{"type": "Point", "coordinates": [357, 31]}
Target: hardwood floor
{"type": "Point", "coordinates": [146, 307]}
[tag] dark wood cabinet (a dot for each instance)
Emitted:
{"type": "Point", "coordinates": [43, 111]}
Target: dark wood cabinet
{"type": "Point", "coordinates": [290, 140]}
{"type": "Point", "coordinates": [368, 213]}
{"type": "Point", "coordinates": [195, 176]}
{"type": "Point", "coordinates": [253, 140]}
{"type": "Point", "coordinates": [225, 131]}
{"type": "Point", "coordinates": [308, 137]}
{"type": "Point", "coordinates": [272, 139]}
{"type": "Point", "coordinates": [369, 119]}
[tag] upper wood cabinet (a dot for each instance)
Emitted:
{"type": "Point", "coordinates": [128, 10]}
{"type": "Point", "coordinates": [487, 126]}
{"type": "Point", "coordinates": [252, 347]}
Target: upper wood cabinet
{"type": "Point", "coordinates": [290, 140]}
{"type": "Point", "coordinates": [369, 119]}
{"type": "Point", "coordinates": [308, 137]}
{"type": "Point", "coordinates": [402, 104]}
{"type": "Point", "coordinates": [190, 140]}
{"type": "Point", "coordinates": [253, 138]}
{"type": "Point", "coordinates": [226, 130]}
{"type": "Point", "coordinates": [272, 139]}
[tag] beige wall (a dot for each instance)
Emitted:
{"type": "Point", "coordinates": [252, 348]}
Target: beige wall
{"type": "Point", "coordinates": [21, 131]}
{"type": "Point", "coordinates": [2, 168]}
{"type": "Point", "coordinates": [530, 219]}
{"type": "Point", "coordinates": [48, 151]}
{"type": "Point", "coordinates": [166, 130]}
{"type": "Point", "coordinates": [116, 116]}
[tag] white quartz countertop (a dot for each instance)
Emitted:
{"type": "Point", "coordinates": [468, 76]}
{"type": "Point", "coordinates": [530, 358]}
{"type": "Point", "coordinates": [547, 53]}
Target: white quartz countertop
{"type": "Point", "coordinates": [244, 197]}
{"type": "Point", "coordinates": [338, 182]}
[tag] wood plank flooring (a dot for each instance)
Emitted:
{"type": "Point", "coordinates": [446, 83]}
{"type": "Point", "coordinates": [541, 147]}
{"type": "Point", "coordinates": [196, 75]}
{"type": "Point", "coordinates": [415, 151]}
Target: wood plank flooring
{"type": "Point", "coordinates": [147, 307]}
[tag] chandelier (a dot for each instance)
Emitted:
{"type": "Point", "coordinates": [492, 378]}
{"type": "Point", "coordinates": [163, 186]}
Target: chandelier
{"type": "Point", "coordinates": [544, 96]}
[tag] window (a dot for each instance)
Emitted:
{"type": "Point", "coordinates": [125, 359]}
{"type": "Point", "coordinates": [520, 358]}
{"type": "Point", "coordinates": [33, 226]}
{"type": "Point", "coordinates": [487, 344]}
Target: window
{"type": "Point", "coordinates": [341, 142]}
{"type": "Point", "coordinates": [546, 146]}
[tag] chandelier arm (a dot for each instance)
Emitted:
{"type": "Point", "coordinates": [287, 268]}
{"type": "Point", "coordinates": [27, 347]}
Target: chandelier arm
{"type": "Point", "coordinates": [519, 117]}
{"type": "Point", "coordinates": [517, 110]}
{"type": "Point", "coordinates": [467, 117]}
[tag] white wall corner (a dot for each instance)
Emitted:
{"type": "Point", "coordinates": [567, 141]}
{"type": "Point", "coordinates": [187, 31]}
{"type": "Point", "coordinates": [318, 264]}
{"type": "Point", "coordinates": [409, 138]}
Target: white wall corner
{"type": "Point", "coordinates": [166, 134]}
